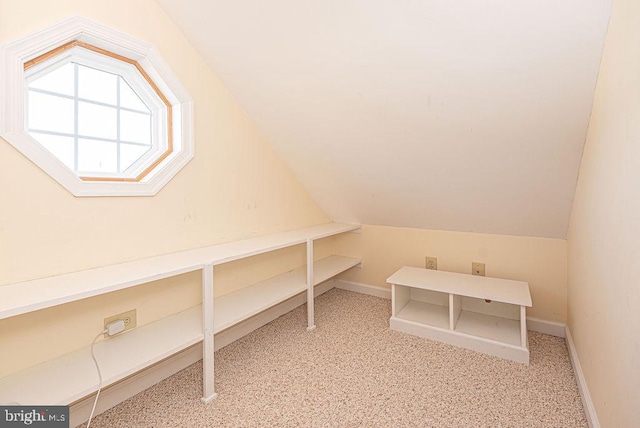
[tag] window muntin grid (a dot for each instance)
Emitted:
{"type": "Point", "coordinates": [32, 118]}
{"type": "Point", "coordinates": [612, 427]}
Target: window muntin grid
{"type": "Point", "coordinates": [101, 108]}
{"type": "Point", "coordinates": [116, 151]}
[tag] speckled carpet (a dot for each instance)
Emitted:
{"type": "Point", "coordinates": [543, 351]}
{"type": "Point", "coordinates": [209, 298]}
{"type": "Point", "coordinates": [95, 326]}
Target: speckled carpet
{"type": "Point", "coordinates": [355, 372]}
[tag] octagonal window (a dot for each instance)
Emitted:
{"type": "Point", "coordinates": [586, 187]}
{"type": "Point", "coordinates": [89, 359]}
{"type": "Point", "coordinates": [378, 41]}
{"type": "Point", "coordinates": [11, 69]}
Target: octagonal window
{"type": "Point", "coordinates": [97, 112]}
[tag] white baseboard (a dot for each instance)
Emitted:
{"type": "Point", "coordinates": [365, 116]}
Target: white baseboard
{"type": "Point", "coordinates": [117, 393]}
{"type": "Point", "coordinates": [587, 404]}
{"type": "Point", "coordinates": [551, 328]}
{"type": "Point", "coordinates": [357, 287]}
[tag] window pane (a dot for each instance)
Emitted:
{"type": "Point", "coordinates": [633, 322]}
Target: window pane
{"type": "Point", "coordinates": [60, 147]}
{"type": "Point", "coordinates": [129, 153]}
{"type": "Point", "coordinates": [97, 85]}
{"type": "Point", "coordinates": [50, 113]}
{"type": "Point", "coordinates": [97, 156]}
{"type": "Point", "coordinates": [59, 80]}
{"type": "Point", "coordinates": [97, 121]}
{"type": "Point", "coordinates": [135, 127]}
{"type": "Point", "coordinates": [129, 99]}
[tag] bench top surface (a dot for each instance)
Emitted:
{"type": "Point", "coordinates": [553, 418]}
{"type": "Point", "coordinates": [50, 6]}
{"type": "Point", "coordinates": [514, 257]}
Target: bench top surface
{"type": "Point", "coordinates": [481, 287]}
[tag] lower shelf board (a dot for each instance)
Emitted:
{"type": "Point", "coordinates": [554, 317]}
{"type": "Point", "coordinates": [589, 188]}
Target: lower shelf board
{"type": "Point", "coordinates": [73, 376]}
{"type": "Point", "coordinates": [240, 305]}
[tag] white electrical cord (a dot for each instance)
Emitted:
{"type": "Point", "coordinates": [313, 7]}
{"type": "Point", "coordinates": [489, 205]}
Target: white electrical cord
{"type": "Point", "coordinates": [99, 376]}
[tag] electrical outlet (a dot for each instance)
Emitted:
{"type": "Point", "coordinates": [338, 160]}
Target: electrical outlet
{"type": "Point", "coordinates": [130, 320]}
{"type": "Point", "coordinates": [431, 262]}
{"type": "Point", "coordinates": [477, 268]}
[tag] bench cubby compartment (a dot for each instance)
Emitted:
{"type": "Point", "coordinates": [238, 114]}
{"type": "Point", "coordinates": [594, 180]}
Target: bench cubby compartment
{"type": "Point", "coordinates": [422, 306]}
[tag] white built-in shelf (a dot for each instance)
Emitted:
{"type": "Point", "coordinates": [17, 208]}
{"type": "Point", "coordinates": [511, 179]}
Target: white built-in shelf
{"type": "Point", "coordinates": [28, 296]}
{"type": "Point", "coordinates": [73, 376]}
{"type": "Point", "coordinates": [483, 314]}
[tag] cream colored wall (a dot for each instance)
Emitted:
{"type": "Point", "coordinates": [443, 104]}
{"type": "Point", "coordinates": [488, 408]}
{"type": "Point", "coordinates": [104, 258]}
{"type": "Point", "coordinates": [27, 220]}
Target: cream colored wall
{"type": "Point", "coordinates": [604, 233]}
{"type": "Point", "coordinates": [235, 187]}
{"type": "Point", "coordinates": [540, 261]}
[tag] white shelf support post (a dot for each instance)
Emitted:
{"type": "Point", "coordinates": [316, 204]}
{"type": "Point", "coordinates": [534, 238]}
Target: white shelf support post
{"type": "Point", "coordinates": [207, 328]}
{"type": "Point", "coordinates": [523, 326]}
{"type": "Point", "coordinates": [311, 324]}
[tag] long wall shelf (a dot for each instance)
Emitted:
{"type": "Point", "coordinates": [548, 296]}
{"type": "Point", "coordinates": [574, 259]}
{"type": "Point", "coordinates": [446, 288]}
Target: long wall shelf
{"type": "Point", "coordinates": [29, 296]}
{"type": "Point", "coordinates": [130, 352]}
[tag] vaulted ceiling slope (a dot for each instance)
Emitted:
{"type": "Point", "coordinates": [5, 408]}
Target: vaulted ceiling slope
{"type": "Point", "coordinates": [459, 115]}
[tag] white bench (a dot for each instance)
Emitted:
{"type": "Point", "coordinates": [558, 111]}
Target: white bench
{"type": "Point", "coordinates": [483, 314]}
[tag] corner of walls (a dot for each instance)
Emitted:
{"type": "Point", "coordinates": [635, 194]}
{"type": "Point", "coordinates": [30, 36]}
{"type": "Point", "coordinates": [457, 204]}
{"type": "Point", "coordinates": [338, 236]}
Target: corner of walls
{"type": "Point", "coordinates": [583, 388]}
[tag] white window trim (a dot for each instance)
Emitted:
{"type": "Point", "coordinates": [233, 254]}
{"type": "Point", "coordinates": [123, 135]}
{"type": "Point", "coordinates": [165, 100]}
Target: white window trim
{"type": "Point", "coordinates": [138, 83]}
{"type": "Point", "coordinates": [12, 104]}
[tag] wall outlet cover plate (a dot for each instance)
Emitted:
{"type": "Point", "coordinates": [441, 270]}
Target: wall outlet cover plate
{"type": "Point", "coordinates": [130, 320]}
{"type": "Point", "coordinates": [478, 268]}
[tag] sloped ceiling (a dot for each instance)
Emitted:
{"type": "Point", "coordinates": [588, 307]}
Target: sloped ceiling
{"type": "Point", "coordinates": [465, 115]}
